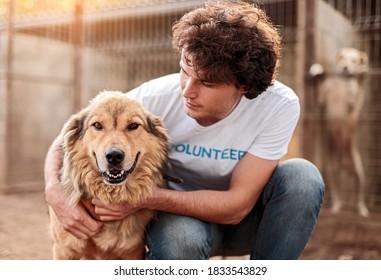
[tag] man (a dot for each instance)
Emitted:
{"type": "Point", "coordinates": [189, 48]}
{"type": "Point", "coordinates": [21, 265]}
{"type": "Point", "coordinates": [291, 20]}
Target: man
{"type": "Point", "coordinates": [229, 124]}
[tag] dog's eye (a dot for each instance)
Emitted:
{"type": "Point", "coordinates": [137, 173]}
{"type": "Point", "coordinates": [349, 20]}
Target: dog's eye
{"type": "Point", "coordinates": [132, 126]}
{"type": "Point", "coordinates": [97, 126]}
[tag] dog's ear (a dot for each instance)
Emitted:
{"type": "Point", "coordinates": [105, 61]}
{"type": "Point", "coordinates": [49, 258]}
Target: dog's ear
{"type": "Point", "coordinates": [156, 127]}
{"type": "Point", "coordinates": [363, 62]}
{"type": "Point", "coordinates": [73, 129]}
{"type": "Point", "coordinates": [339, 54]}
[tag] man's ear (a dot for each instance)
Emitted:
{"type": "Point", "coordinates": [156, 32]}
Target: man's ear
{"type": "Point", "coordinates": [242, 90]}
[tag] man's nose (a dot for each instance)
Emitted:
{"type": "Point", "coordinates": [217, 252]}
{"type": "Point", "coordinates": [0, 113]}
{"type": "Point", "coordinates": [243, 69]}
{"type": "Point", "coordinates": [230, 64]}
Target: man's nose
{"type": "Point", "coordinates": [190, 88]}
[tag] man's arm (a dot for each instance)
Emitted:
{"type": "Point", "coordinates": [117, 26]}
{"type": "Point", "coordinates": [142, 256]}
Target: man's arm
{"type": "Point", "coordinates": [225, 207]}
{"type": "Point", "coordinates": [74, 219]}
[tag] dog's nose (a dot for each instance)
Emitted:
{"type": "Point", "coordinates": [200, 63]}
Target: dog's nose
{"type": "Point", "coordinates": [114, 156]}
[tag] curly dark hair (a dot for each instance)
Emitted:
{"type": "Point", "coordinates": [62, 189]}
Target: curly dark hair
{"type": "Point", "coordinates": [230, 42]}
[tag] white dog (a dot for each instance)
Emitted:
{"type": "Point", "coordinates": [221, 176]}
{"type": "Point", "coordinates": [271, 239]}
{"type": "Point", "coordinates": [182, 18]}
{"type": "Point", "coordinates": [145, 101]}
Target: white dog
{"type": "Point", "coordinates": [341, 92]}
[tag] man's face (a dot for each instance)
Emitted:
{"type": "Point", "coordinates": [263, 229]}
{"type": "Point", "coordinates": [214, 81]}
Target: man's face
{"type": "Point", "coordinates": [206, 102]}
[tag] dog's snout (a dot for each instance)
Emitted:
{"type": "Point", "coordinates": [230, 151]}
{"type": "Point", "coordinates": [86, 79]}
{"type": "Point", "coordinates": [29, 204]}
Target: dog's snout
{"type": "Point", "coordinates": [114, 156]}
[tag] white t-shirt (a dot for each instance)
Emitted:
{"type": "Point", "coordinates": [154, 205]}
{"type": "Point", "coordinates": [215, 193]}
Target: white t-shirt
{"type": "Point", "coordinates": [204, 157]}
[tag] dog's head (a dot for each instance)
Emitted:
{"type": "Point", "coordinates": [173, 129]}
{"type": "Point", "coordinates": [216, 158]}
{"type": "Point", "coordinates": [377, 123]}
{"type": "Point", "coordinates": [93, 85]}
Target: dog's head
{"type": "Point", "coordinates": [351, 62]}
{"type": "Point", "coordinates": [114, 146]}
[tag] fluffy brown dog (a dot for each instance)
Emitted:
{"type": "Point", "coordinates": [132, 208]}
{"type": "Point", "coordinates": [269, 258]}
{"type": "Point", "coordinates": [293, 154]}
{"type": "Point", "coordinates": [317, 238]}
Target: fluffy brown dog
{"type": "Point", "coordinates": [114, 150]}
{"type": "Point", "coordinates": [341, 92]}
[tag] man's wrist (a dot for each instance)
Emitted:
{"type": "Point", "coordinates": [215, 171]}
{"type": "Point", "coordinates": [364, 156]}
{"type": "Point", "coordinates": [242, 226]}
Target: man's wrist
{"type": "Point", "coordinates": [153, 201]}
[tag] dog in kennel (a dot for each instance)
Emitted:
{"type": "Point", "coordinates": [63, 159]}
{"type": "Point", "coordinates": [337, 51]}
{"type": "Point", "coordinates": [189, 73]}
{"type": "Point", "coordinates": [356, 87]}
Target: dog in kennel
{"type": "Point", "coordinates": [341, 93]}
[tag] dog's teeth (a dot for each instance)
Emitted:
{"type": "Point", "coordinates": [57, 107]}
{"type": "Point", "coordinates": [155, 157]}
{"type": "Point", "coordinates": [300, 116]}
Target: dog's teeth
{"type": "Point", "coordinates": [114, 175]}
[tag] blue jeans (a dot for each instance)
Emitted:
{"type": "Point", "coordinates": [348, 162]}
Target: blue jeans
{"type": "Point", "coordinates": [278, 227]}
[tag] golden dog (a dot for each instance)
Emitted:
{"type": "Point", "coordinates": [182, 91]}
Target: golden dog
{"type": "Point", "coordinates": [341, 93]}
{"type": "Point", "coordinates": [114, 150]}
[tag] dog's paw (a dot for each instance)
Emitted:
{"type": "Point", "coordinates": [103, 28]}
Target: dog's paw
{"type": "Point", "coordinates": [316, 70]}
{"type": "Point", "coordinates": [363, 210]}
{"type": "Point", "coordinates": [336, 207]}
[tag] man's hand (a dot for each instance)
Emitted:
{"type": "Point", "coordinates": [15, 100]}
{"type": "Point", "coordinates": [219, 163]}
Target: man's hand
{"type": "Point", "coordinates": [80, 220]}
{"type": "Point", "coordinates": [113, 212]}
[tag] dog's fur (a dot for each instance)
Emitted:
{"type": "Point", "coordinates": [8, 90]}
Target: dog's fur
{"type": "Point", "coordinates": [113, 134]}
{"type": "Point", "coordinates": [341, 93]}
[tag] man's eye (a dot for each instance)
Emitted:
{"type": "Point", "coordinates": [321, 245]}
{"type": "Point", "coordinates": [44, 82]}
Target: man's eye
{"type": "Point", "coordinates": [132, 126]}
{"type": "Point", "coordinates": [97, 126]}
{"type": "Point", "coordinates": [206, 84]}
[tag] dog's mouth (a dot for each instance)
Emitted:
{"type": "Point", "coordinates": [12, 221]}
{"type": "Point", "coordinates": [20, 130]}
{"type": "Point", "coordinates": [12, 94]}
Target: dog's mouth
{"type": "Point", "coordinates": [117, 176]}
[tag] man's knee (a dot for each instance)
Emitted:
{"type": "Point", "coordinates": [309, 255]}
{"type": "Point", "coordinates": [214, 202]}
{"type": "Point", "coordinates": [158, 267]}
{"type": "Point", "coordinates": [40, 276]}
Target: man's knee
{"type": "Point", "coordinates": [178, 237]}
{"type": "Point", "coordinates": [302, 174]}
{"type": "Point", "coordinates": [301, 180]}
